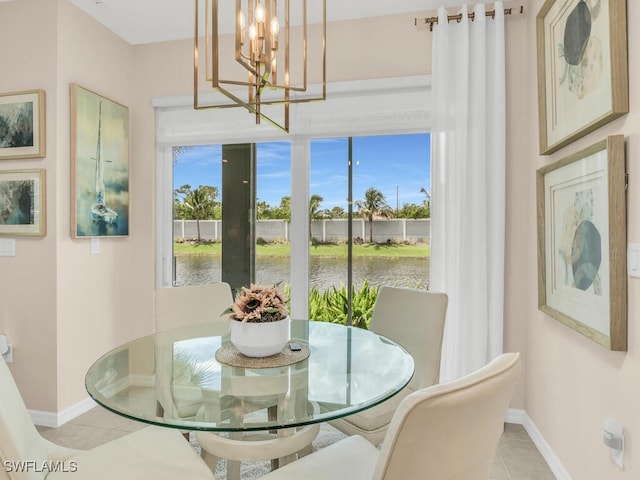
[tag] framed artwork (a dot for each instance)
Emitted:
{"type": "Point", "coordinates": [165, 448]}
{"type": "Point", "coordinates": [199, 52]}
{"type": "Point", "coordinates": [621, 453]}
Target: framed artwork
{"type": "Point", "coordinates": [22, 124]}
{"type": "Point", "coordinates": [99, 165]}
{"type": "Point", "coordinates": [582, 242]}
{"type": "Point", "coordinates": [22, 203]}
{"type": "Point", "coordinates": [582, 68]}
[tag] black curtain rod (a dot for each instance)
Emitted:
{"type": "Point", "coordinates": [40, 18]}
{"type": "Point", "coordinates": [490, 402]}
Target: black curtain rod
{"type": "Point", "coordinates": [457, 18]}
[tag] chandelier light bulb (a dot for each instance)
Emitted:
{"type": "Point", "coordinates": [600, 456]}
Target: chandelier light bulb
{"type": "Point", "coordinates": [252, 32]}
{"type": "Point", "coordinates": [275, 26]}
{"type": "Point", "coordinates": [259, 13]}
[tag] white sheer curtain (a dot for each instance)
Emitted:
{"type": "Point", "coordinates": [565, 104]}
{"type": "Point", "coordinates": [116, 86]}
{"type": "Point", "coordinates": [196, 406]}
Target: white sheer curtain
{"type": "Point", "coordinates": [468, 185]}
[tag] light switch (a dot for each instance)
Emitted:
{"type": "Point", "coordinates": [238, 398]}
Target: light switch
{"type": "Point", "coordinates": [95, 246]}
{"type": "Point", "coordinates": [8, 247]}
{"type": "Point", "coordinates": [633, 260]}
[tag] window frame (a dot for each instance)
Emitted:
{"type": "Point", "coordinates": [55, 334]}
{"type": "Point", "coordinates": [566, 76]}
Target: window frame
{"type": "Point", "coordinates": [389, 106]}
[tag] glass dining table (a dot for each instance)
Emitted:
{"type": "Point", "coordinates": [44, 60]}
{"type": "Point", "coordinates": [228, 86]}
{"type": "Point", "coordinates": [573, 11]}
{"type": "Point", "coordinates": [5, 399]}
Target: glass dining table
{"type": "Point", "coordinates": [173, 379]}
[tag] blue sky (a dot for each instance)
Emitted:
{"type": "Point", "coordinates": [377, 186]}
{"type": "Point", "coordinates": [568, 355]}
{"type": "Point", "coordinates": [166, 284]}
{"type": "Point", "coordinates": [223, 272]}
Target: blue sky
{"type": "Point", "coordinates": [397, 165]}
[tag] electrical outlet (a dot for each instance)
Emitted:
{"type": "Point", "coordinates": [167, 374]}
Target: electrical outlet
{"type": "Point", "coordinates": [614, 439]}
{"type": "Point", "coordinates": [8, 355]}
{"type": "Point", "coordinates": [633, 260]}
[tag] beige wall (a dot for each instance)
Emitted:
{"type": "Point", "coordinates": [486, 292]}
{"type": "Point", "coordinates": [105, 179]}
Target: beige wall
{"type": "Point", "coordinates": [573, 383]}
{"type": "Point", "coordinates": [28, 287]}
{"type": "Point", "coordinates": [518, 128]}
{"type": "Point", "coordinates": [60, 306]}
{"type": "Point", "coordinates": [94, 291]}
{"type": "Point", "coordinates": [63, 307]}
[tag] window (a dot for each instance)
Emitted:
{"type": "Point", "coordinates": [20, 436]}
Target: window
{"type": "Point", "coordinates": [197, 213]}
{"type": "Point", "coordinates": [387, 106]}
{"type": "Point", "coordinates": [388, 243]}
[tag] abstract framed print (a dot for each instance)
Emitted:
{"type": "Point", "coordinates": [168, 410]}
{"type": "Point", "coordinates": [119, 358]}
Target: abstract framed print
{"type": "Point", "coordinates": [22, 124]}
{"type": "Point", "coordinates": [22, 203]}
{"type": "Point", "coordinates": [582, 68]}
{"type": "Point", "coordinates": [582, 242]}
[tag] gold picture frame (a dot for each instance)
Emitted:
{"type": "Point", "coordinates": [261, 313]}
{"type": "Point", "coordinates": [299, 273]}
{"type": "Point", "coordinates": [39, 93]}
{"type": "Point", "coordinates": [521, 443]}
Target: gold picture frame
{"type": "Point", "coordinates": [582, 68]}
{"type": "Point", "coordinates": [22, 203]}
{"type": "Point", "coordinates": [99, 165]}
{"type": "Point", "coordinates": [22, 124]}
{"type": "Point", "coordinates": [582, 270]}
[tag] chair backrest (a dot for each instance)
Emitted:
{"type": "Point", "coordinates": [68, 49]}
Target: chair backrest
{"type": "Point", "coordinates": [191, 305]}
{"type": "Point", "coordinates": [415, 319]}
{"type": "Point", "coordinates": [450, 431]}
{"type": "Point", "coordinates": [178, 307]}
{"type": "Point", "coordinates": [19, 439]}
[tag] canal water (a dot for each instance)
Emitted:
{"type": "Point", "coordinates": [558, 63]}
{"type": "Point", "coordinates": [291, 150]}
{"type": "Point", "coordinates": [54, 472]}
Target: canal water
{"type": "Point", "coordinates": [325, 272]}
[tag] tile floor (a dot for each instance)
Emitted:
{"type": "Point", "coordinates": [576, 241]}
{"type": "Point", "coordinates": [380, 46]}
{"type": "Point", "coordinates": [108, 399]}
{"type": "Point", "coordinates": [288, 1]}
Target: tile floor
{"type": "Point", "coordinates": [517, 457]}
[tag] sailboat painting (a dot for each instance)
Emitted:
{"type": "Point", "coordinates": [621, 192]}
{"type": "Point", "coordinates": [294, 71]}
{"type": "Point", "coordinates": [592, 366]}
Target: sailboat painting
{"type": "Point", "coordinates": [100, 165]}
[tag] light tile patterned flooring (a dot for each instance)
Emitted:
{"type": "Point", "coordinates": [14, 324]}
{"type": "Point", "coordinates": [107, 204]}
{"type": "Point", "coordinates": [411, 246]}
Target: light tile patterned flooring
{"type": "Point", "coordinates": [517, 457]}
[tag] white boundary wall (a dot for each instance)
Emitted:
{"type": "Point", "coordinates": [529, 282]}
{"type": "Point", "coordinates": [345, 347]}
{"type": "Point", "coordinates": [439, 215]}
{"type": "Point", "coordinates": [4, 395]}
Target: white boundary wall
{"type": "Point", "coordinates": [333, 230]}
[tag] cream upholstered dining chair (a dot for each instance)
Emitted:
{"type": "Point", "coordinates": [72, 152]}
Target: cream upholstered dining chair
{"type": "Point", "coordinates": [415, 319]}
{"type": "Point", "coordinates": [198, 304]}
{"type": "Point", "coordinates": [190, 305]}
{"type": "Point", "coordinates": [177, 307]}
{"type": "Point", "coordinates": [448, 431]}
{"type": "Point", "coordinates": [153, 452]}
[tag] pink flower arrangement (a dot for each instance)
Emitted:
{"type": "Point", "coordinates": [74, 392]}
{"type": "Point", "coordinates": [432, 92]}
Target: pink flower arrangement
{"type": "Point", "coordinates": [259, 303]}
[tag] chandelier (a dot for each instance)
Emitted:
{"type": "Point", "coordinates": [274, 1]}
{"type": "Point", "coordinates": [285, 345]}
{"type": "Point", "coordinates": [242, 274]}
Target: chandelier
{"type": "Point", "coordinates": [265, 31]}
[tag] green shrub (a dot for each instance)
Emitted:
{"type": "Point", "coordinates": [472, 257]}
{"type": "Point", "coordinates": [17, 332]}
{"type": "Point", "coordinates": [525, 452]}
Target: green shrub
{"type": "Point", "coordinates": [332, 305]}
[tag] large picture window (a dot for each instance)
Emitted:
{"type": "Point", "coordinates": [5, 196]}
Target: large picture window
{"type": "Point", "coordinates": [306, 186]}
{"type": "Point", "coordinates": [387, 244]}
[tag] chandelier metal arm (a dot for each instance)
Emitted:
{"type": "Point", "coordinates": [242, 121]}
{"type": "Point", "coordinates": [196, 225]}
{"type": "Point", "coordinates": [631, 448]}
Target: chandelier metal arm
{"type": "Point", "coordinates": [258, 47]}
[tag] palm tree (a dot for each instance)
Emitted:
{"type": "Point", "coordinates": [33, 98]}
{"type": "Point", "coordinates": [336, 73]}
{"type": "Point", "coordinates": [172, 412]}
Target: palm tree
{"type": "Point", "coordinates": [427, 195]}
{"type": "Point", "coordinates": [199, 201]}
{"type": "Point", "coordinates": [314, 208]}
{"type": "Point", "coordinates": [374, 203]}
{"type": "Point", "coordinates": [427, 201]}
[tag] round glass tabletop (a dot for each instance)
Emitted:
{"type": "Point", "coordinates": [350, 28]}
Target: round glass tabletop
{"type": "Point", "coordinates": [173, 379]}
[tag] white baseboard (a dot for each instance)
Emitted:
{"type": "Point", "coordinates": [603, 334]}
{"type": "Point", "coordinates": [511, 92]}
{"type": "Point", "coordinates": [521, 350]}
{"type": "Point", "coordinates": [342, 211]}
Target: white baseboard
{"type": "Point", "coordinates": [52, 419]}
{"type": "Point", "coordinates": [515, 415]}
{"type": "Point", "coordinates": [520, 417]}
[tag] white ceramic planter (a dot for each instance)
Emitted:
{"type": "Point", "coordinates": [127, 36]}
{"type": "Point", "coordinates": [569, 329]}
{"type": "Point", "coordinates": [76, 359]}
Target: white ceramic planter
{"type": "Point", "coordinates": [260, 339]}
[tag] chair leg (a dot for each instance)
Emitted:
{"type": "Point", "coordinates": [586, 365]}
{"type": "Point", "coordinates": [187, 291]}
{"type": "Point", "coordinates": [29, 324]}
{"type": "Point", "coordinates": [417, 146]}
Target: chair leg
{"type": "Point", "coordinates": [272, 414]}
{"type": "Point", "coordinates": [282, 461]}
{"type": "Point", "coordinates": [209, 459]}
{"type": "Point", "coordinates": [233, 470]}
{"type": "Point", "coordinates": [305, 451]}
{"type": "Point", "coordinates": [233, 466]}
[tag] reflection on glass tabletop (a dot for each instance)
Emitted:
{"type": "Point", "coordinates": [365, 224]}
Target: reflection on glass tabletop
{"type": "Point", "coordinates": [172, 379]}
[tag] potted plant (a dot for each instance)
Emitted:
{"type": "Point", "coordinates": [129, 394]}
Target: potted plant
{"type": "Point", "coordinates": [259, 320]}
